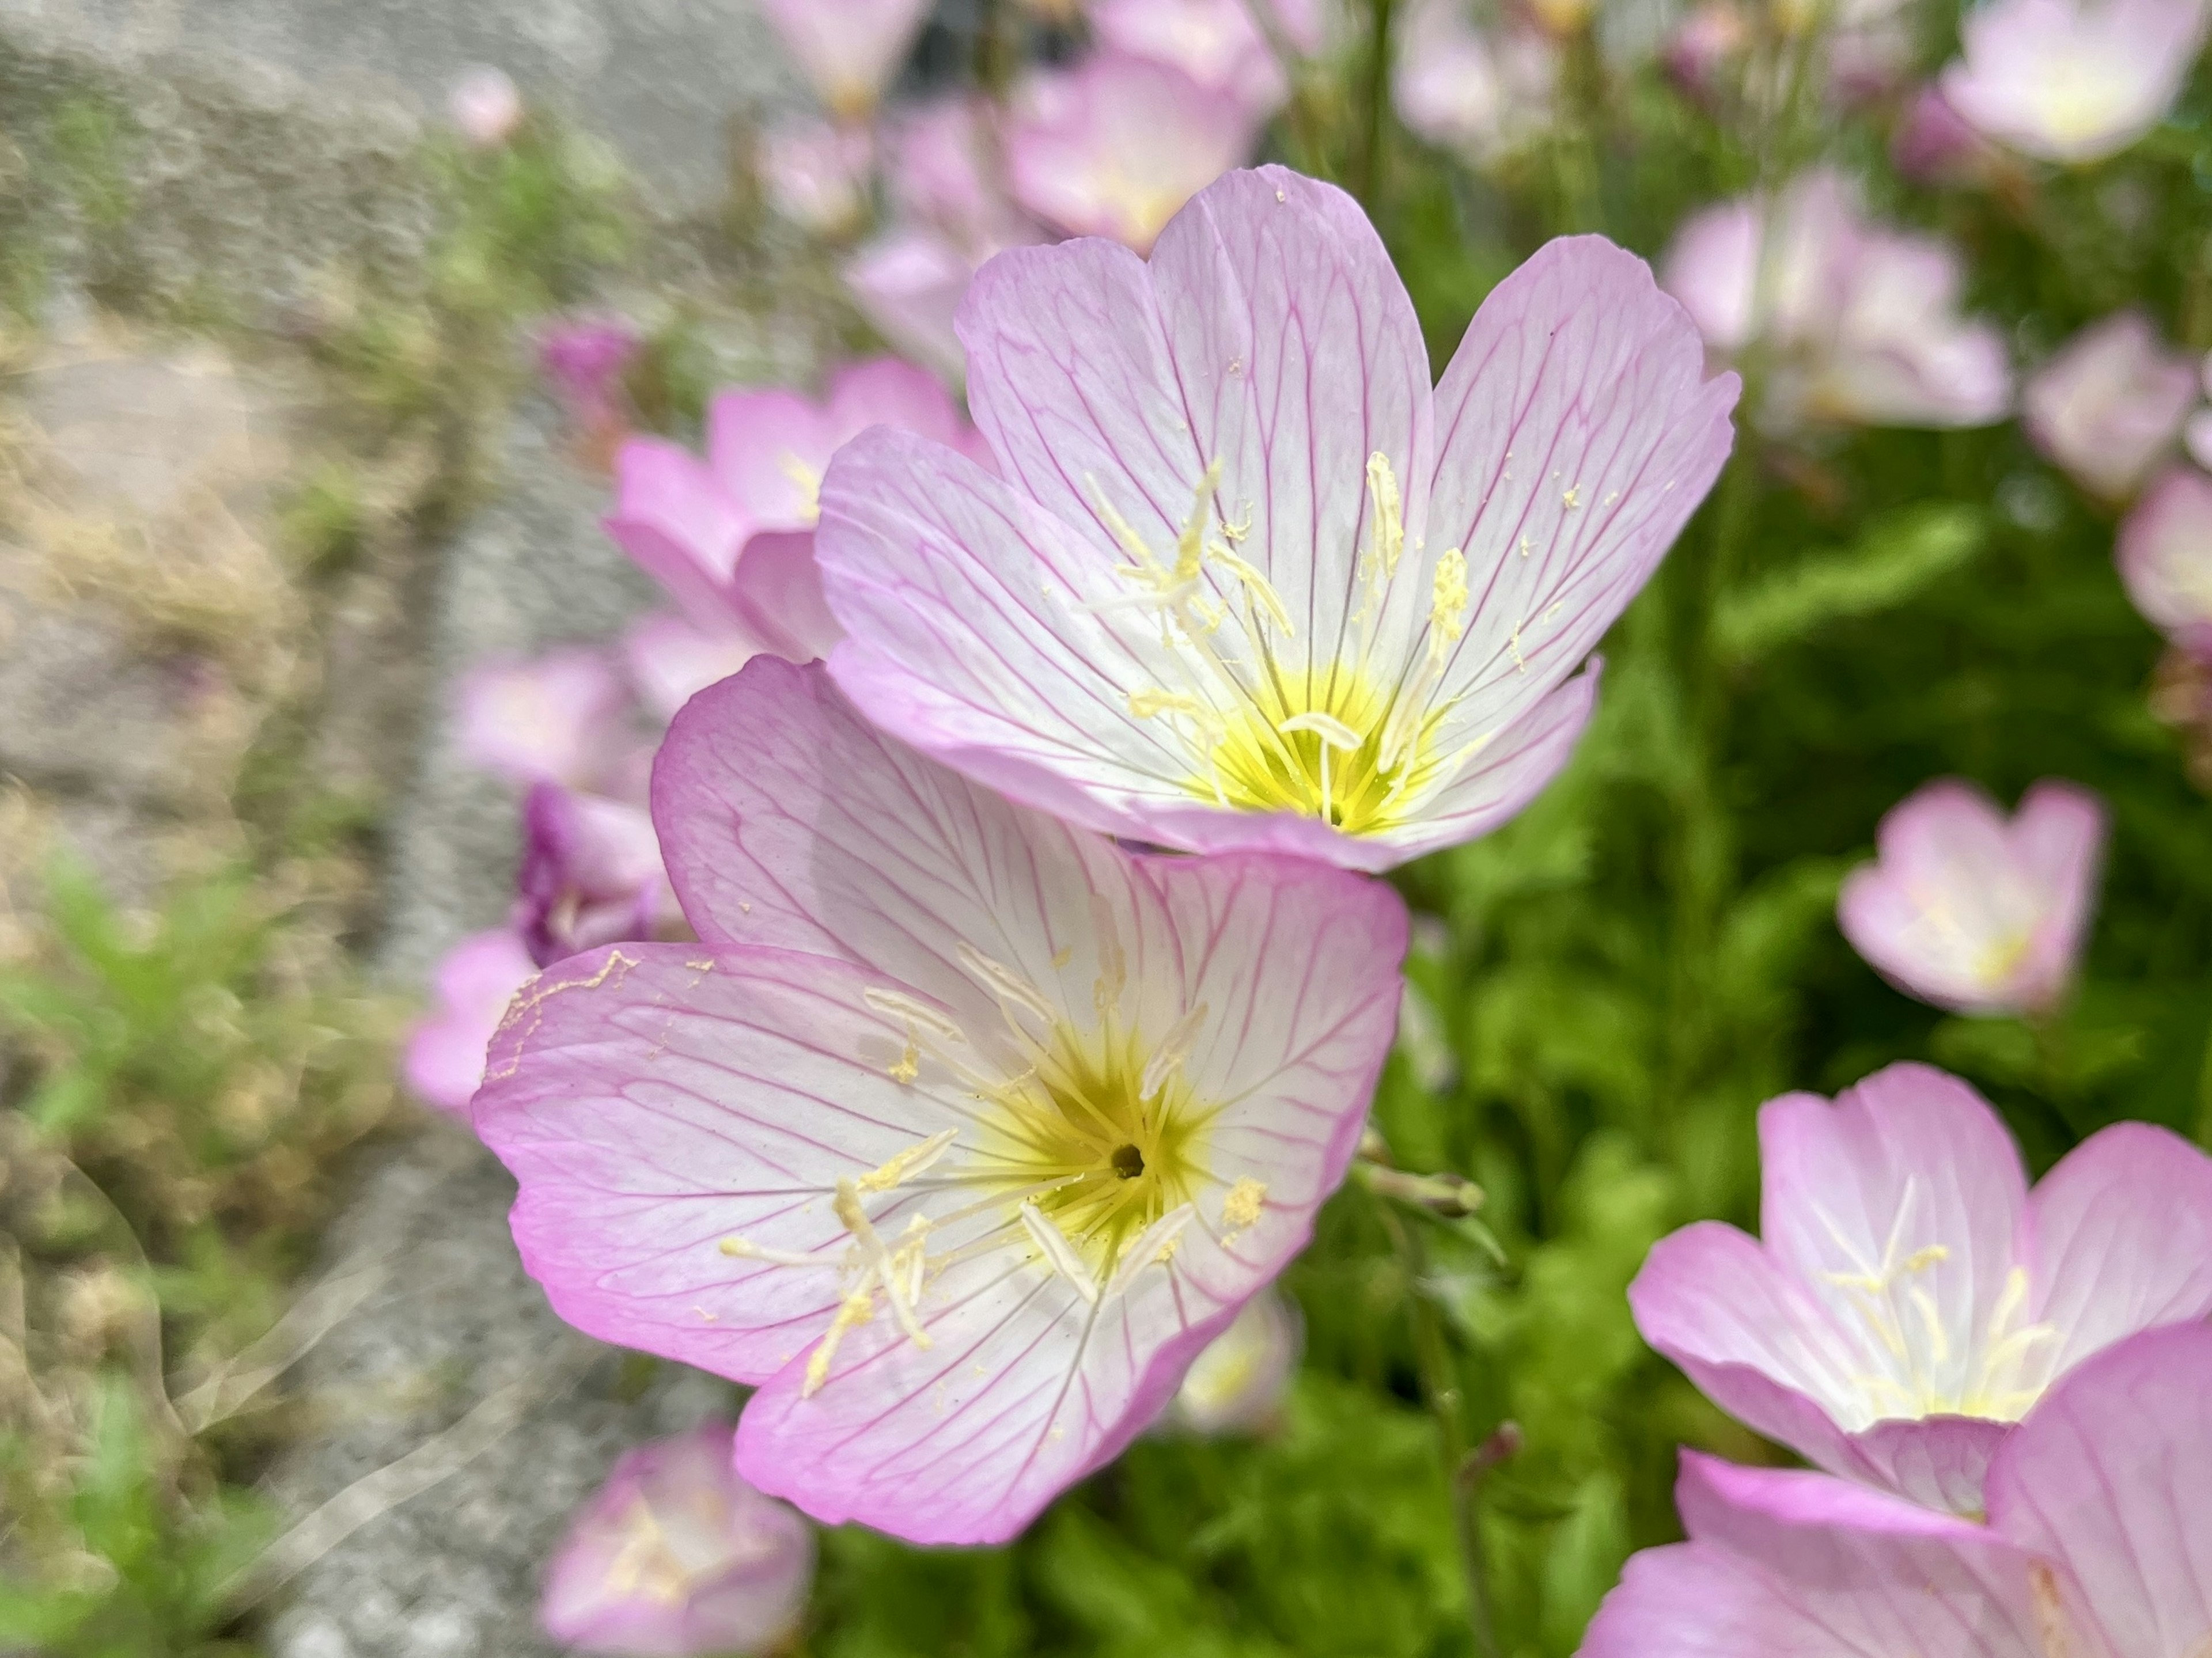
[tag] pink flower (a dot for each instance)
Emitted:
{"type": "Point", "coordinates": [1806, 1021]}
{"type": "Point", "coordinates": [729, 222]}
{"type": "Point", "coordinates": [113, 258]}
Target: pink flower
{"type": "Point", "coordinates": [1236, 1385]}
{"type": "Point", "coordinates": [558, 718]}
{"type": "Point", "coordinates": [484, 107]}
{"type": "Point", "coordinates": [1248, 581]}
{"type": "Point", "coordinates": [2072, 80]}
{"type": "Point", "coordinates": [1862, 319]}
{"type": "Point", "coordinates": [676, 1557]}
{"type": "Point", "coordinates": [816, 173]}
{"type": "Point", "coordinates": [963, 1132]}
{"type": "Point", "coordinates": [731, 537]}
{"type": "Point", "coordinates": [1933, 144]}
{"type": "Point", "coordinates": [2110, 403]}
{"type": "Point", "coordinates": [910, 283]}
{"type": "Point", "coordinates": [849, 49]}
{"type": "Point", "coordinates": [1116, 145]}
{"type": "Point", "coordinates": [1459, 88]}
{"type": "Point", "coordinates": [2164, 555]}
{"type": "Point", "coordinates": [586, 362]}
{"type": "Point", "coordinates": [672, 659]}
{"type": "Point", "coordinates": [1215, 42]}
{"type": "Point", "coordinates": [1708, 41]}
{"type": "Point", "coordinates": [590, 875]}
{"type": "Point", "coordinates": [1973, 913]}
{"type": "Point", "coordinates": [2098, 1541]}
{"type": "Point", "coordinates": [477, 977]}
{"type": "Point", "coordinates": [1912, 1299]}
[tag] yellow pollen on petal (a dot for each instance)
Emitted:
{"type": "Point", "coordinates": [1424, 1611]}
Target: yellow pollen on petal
{"type": "Point", "coordinates": [1241, 1208]}
{"type": "Point", "coordinates": [1390, 543]}
{"type": "Point", "coordinates": [808, 482]}
{"type": "Point", "coordinates": [855, 1310]}
{"type": "Point", "coordinates": [1448, 604]}
{"type": "Point", "coordinates": [908, 1065]}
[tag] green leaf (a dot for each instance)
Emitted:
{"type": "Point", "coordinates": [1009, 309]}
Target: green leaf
{"type": "Point", "coordinates": [1899, 554]}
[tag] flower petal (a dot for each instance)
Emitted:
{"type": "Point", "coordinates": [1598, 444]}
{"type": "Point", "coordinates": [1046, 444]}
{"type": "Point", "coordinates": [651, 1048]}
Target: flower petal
{"type": "Point", "coordinates": [776, 594]}
{"type": "Point", "coordinates": [676, 521]}
{"type": "Point", "coordinates": [2123, 1238]}
{"type": "Point", "coordinates": [1577, 433]}
{"type": "Point", "coordinates": [768, 449]}
{"type": "Point", "coordinates": [653, 1100]}
{"type": "Point", "coordinates": [2112, 1476]}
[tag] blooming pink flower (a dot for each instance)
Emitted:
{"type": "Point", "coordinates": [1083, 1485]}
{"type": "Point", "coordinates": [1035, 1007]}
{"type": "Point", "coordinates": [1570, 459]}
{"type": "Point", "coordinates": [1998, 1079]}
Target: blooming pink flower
{"type": "Point", "coordinates": [816, 173]}
{"type": "Point", "coordinates": [1460, 88]}
{"type": "Point", "coordinates": [590, 875]}
{"type": "Point", "coordinates": [2072, 80]}
{"type": "Point", "coordinates": [1216, 42]}
{"type": "Point", "coordinates": [2110, 403]}
{"type": "Point", "coordinates": [1237, 1383]}
{"type": "Point", "coordinates": [730, 538]}
{"type": "Point", "coordinates": [2098, 1541]}
{"type": "Point", "coordinates": [849, 49]}
{"type": "Point", "coordinates": [1862, 319]}
{"type": "Point", "coordinates": [1237, 589]}
{"type": "Point", "coordinates": [1912, 1298]}
{"type": "Point", "coordinates": [478, 977]}
{"type": "Point", "coordinates": [2164, 555]}
{"type": "Point", "coordinates": [485, 106]}
{"type": "Point", "coordinates": [584, 362]}
{"type": "Point", "coordinates": [1970, 912]}
{"type": "Point", "coordinates": [676, 1557]}
{"type": "Point", "coordinates": [557, 718]}
{"type": "Point", "coordinates": [961, 1133]}
{"type": "Point", "coordinates": [1116, 145]}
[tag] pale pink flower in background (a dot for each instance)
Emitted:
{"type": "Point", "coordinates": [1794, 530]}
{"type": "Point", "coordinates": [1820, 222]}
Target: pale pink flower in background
{"type": "Point", "coordinates": [816, 173]}
{"type": "Point", "coordinates": [484, 107]}
{"type": "Point", "coordinates": [590, 875]}
{"type": "Point", "coordinates": [849, 49]}
{"type": "Point", "coordinates": [670, 659]}
{"type": "Point", "coordinates": [1909, 1298]}
{"type": "Point", "coordinates": [560, 717]}
{"type": "Point", "coordinates": [676, 1557]}
{"type": "Point", "coordinates": [2164, 555]}
{"type": "Point", "coordinates": [475, 979]}
{"type": "Point", "coordinates": [1862, 320]}
{"type": "Point", "coordinates": [1481, 95]}
{"type": "Point", "coordinates": [1116, 145]}
{"type": "Point", "coordinates": [1247, 581]}
{"type": "Point", "coordinates": [2197, 438]}
{"type": "Point", "coordinates": [2098, 1541]}
{"type": "Point", "coordinates": [960, 1134]}
{"type": "Point", "coordinates": [1933, 144]}
{"type": "Point", "coordinates": [585, 363]}
{"type": "Point", "coordinates": [730, 537]}
{"type": "Point", "coordinates": [1707, 42]}
{"type": "Point", "coordinates": [2110, 403]}
{"type": "Point", "coordinates": [1236, 1385]}
{"type": "Point", "coordinates": [1972, 911]}
{"type": "Point", "coordinates": [909, 283]}
{"type": "Point", "coordinates": [1216, 42]}
{"type": "Point", "coordinates": [2072, 80]}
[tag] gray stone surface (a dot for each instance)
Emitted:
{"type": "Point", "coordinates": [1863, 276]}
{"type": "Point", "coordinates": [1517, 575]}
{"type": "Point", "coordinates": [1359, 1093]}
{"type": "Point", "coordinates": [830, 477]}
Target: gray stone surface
{"type": "Point", "coordinates": [659, 78]}
{"type": "Point", "coordinates": [453, 1571]}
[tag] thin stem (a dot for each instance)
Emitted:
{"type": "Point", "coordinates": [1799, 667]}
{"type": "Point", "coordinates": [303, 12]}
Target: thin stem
{"type": "Point", "coordinates": [1440, 1389]}
{"type": "Point", "coordinates": [1369, 176]}
{"type": "Point", "coordinates": [2204, 1095]}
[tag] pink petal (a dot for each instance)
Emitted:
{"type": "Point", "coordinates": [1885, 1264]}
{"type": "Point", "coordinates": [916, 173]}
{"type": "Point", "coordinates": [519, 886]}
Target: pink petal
{"type": "Point", "coordinates": [676, 521]}
{"type": "Point", "coordinates": [776, 594]}
{"type": "Point", "coordinates": [555, 719]}
{"type": "Point", "coordinates": [671, 660]}
{"type": "Point", "coordinates": [475, 979]}
{"type": "Point", "coordinates": [2058, 838]}
{"type": "Point", "coordinates": [2123, 1238]}
{"type": "Point", "coordinates": [768, 450]}
{"type": "Point", "coordinates": [1909, 1163]}
{"type": "Point", "coordinates": [2111, 1476]}
{"type": "Point", "coordinates": [2164, 555]}
{"type": "Point", "coordinates": [1577, 434]}
{"type": "Point", "coordinates": [886, 392]}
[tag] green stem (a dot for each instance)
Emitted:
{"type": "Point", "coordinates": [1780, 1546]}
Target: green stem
{"type": "Point", "coordinates": [2204, 1095]}
{"type": "Point", "coordinates": [1463, 1468]}
{"type": "Point", "coordinates": [1369, 177]}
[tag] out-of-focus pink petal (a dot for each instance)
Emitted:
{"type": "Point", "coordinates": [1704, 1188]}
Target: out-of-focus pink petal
{"type": "Point", "coordinates": [1237, 1384]}
{"type": "Point", "coordinates": [886, 392]}
{"type": "Point", "coordinates": [1711, 268]}
{"type": "Point", "coordinates": [1215, 42]}
{"type": "Point", "coordinates": [676, 1557]}
{"type": "Point", "coordinates": [2123, 1238]}
{"type": "Point", "coordinates": [2165, 556]}
{"type": "Point", "coordinates": [1576, 434]}
{"type": "Point", "coordinates": [2112, 1478]}
{"type": "Point", "coordinates": [485, 105]}
{"type": "Point", "coordinates": [1970, 912]}
{"type": "Point", "coordinates": [849, 49]}
{"type": "Point", "coordinates": [1480, 94]}
{"type": "Point", "coordinates": [816, 173]}
{"type": "Point", "coordinates": [910, 282]}
{"type": "Point", "coordinates": [2110, 403]}
{"type": "Point", "coordinates": [591, 874]}
{"type": "Point", "coordinates": [1116, 145]}
{"type": "Point", "coordinates": [677, 522]}
{"type": "Point", "coordinates": [1933, 144]}
{"type": "Point", "coordinates": [776, 593]}
{"type": "Point", "coordinates": [767, 449]}
{"type": "Point", "coordinates": [557, 718]}
{"type": "Point", "coordinates": [671, 660]}
{"type": "Point", "coordinates": [2069, 82]}
{"type": "Point", "coordinates": [475, 979]}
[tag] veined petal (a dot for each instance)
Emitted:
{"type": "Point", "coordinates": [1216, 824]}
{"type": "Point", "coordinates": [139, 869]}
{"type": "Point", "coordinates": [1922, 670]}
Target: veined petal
{"type": "Point", "coordinates": [1577, 434]}
{"type": "Point", "coordinates": [2113, 1476]}
{"type": "Point", "coordinates": [655, 1100]}
{"type": "Point", "coordinates": [2123, 1238]}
